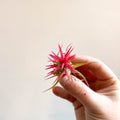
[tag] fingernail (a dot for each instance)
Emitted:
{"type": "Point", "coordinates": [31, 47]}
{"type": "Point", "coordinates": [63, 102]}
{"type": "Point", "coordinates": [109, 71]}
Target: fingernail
{"type": "Point", "coordinates": [65, 81]}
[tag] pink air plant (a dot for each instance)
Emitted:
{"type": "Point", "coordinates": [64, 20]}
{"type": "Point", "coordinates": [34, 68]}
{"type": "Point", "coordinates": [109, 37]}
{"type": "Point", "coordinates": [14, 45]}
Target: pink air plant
{"type": "Point", "coordinates": [62, 65]}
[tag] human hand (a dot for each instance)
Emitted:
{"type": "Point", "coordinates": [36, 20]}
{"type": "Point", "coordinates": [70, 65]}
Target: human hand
{"type": "Point", "coordinates": [99, 101]}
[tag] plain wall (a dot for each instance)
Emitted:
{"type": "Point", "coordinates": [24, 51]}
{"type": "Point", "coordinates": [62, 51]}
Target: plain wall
{"type": "Point", "coordinates": [30, 29]}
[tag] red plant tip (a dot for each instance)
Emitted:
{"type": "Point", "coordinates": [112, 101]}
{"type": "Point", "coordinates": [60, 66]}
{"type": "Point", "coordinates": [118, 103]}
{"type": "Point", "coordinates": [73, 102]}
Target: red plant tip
{"type": "Point", "coordinates": [61, 63]}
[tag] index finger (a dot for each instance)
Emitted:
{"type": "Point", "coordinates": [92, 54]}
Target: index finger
{"type": "Point", "coordinates": [100, 70]}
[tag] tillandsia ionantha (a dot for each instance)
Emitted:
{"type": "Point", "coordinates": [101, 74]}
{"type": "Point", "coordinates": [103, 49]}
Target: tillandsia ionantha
{"type": "Point", "coordinates": [62, 65]}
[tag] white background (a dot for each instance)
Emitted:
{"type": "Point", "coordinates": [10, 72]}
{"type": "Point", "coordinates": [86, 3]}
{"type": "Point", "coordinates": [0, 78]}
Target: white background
{"type": "Point", "coordinates": [30, 29]}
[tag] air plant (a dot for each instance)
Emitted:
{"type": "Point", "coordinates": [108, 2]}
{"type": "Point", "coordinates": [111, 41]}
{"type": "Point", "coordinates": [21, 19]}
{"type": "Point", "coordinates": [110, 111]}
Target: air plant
{"type": "Point", "coordinates": [62, 65]}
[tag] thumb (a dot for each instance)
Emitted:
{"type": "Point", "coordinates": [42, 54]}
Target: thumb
{"type": "Point", "coordinates": [79, 90]}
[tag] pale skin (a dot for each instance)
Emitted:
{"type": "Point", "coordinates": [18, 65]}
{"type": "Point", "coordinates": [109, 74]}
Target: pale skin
{"type": "Point", "coordinates": [98, 101]}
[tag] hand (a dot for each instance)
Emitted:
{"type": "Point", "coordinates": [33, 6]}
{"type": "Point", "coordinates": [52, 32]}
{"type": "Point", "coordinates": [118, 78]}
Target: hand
{"type": "Point", "coordinates": [98, 101]}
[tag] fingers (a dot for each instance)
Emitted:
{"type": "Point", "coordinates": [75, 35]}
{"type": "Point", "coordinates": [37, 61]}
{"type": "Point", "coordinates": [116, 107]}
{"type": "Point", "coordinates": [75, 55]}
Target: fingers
{"type": "Point", "coordinates": [58, 91]}
{"type": "Point", "coordinates": [78, 107]}
{"type": "Point", "coordinates": [79, 90]}
{"type": "Point", "coordinates": [63, 94]}
{"type": "Point", "coordinates": [100, 70]}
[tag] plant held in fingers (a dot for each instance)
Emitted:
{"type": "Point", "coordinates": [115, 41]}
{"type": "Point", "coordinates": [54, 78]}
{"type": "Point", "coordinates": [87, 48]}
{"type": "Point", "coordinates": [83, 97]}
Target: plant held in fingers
{"type": "Point", "coordinates": [62, 65]}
